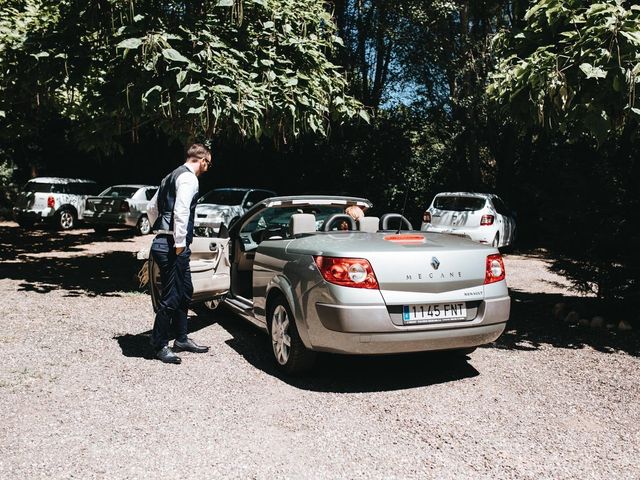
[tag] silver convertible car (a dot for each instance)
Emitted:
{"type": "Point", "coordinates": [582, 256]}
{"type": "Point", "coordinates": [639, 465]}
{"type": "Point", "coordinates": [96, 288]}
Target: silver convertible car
{"type": "Point", "coordinates": [372, 289]}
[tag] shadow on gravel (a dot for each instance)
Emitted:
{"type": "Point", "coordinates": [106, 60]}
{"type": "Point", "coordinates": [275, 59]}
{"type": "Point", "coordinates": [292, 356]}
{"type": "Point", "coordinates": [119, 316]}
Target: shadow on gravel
{"type": "Point", "coordinates": [138, 345]}
{"type": "Point", "coordinates": [91, 274]}
{"type": "Point", "coordinates": [347, 373]}
{"type": "Point", "coordinates": [532, 325]}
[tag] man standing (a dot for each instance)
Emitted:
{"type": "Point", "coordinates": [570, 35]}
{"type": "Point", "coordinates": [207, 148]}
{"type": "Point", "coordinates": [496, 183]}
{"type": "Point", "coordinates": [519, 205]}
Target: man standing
{"type": "Point", "coordinates": [171, 212]}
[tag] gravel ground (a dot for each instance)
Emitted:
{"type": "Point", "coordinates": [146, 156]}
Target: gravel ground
{"type": "Point", "coordinates": [80, 396]}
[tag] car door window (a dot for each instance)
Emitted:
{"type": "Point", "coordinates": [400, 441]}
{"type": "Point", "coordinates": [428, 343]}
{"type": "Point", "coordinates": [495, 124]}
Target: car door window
{"type": "Point", "coordinates": [500, 206]}
{"type": "Point", "coordinates": [150, 193]}
{"type": "Point", "coordinates": [256, 196]}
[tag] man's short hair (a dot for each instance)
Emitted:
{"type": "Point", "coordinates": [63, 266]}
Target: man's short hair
{"type": "Point", "coordinates": [198, 151]}
{"type": "Point", "coordinates": [354, 212]}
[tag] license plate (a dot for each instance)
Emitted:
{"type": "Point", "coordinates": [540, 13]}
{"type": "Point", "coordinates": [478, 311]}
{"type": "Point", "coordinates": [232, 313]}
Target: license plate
{"type": "Point", "coordinates": [434, 313]}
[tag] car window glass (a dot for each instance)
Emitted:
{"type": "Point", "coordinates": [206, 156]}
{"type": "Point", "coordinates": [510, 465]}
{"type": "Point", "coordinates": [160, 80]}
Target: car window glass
{"type": "Point", "coordinates": [278, 217]}
{"type": "Point", "coordinates": [459, 203]}
{"type": "Point", "coordinates": [258, 195]}
{"type": "Point", "coordinates": [223, 197]}
{"type": "Point", "coordinates": [150, 193]}
{"type": "Point", "coordinates": [126, 192]}
{"type": "Point", "coordinates": [39, 187]}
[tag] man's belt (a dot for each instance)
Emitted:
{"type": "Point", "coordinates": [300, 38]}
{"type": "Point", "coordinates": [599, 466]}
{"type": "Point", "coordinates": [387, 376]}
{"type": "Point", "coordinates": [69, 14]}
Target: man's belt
{"type": "Point", "coordinates": [163, 232]}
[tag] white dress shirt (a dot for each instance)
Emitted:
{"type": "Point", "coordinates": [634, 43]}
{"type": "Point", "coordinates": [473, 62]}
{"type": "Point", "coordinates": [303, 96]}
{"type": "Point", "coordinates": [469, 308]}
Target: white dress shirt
{"type": "Point", "coordinates": [186, 189]}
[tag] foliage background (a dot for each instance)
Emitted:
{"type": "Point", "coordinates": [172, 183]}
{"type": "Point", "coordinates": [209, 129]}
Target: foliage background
{"type": "Point", "coordinates": [533, 100]}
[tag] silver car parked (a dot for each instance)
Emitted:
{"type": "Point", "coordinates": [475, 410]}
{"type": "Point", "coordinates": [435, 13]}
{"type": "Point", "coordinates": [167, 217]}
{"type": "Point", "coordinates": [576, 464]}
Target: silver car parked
{"type": "Point", "coordinates": [361, 291]}
{"type": "Point", "coordinates": [54, 200]}
{"type": "Point", "coordinates": [224, 205]}
{"type": "Point", "coordinates": [120, 206]}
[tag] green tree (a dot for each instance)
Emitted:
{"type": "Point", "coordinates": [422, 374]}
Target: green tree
{"type": "Point", "coordinates": [569, 76]}
{"type": "Point", "coordinates": [107, 69]}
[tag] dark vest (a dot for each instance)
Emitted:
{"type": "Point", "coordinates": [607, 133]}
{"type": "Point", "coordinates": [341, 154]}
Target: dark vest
{"type": "Point", "coordinates": [167, 200]}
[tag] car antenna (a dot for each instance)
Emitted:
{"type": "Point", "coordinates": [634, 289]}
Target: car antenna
{"type": "Point", "coordinates": [404, 206]}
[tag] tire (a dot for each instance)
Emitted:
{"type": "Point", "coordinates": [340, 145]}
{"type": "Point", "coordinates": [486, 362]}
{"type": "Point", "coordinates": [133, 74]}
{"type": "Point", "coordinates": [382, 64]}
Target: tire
{"type": "Point", "coordinates": [143, 227]}
{"type": "Point", "coordinates": [295, 357]}
{"type": "Point", "coordinates": [65, 219]}
{"type": "Point", "coordinates": [101, 230]}
{"type": "Point", "coordinates": [496, 241]}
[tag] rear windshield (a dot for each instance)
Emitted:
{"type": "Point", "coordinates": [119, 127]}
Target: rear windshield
{"type": "Point", "coordinates": [459, 204]}
{"type": "Point", "coordinates": [278, 217]}
{"type": "Point", "coordinates": [126, 192]}
{"type": "Point", "coordinates": [85, 188]}
{"type": "Point", "coordinates": [223, 197]}
{"type": "Point", "coordinates": [38, 187]}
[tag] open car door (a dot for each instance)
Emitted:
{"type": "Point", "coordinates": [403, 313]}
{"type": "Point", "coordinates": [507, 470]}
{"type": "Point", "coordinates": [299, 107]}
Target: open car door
{"type": "Point", "coordinates": [210, 270]}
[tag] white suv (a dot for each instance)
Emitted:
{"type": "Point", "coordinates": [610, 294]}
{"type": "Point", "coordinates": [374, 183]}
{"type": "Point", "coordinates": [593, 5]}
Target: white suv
{"type": "Point", "coordinates": [482, 217]}
{"type": "Point", "coordinates": [55, 200]}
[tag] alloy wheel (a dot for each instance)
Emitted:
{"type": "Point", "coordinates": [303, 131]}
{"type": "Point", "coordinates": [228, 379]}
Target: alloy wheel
{"type": "Point", "coordinates": [280, 337]}
{"type": "Point", "coordinates": [144, 226]}
{"type": "Point", "coordinates": [66, 220]}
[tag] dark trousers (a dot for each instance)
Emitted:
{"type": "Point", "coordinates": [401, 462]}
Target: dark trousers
{"type": "Point", "coordinates": [177, 290]}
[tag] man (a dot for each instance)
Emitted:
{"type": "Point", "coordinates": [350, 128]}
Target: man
{"type": "Point", "coordinates": [354, 212]}
{"type": "Point", "coordinates": [171, 212]}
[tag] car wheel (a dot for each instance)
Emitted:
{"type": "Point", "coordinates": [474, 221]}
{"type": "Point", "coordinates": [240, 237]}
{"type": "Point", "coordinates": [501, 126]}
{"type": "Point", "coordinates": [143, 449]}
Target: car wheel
{"type": "Point", "coordinates": [101, 230]}
{"type": "Point", "coordinates": [66, 219]}
{"type": "Point", "coordinates": [290, 353]}
{"type": "Point", "coordinates": [144, 226]}
{"type": "Point", "coordinates": [496, 241]}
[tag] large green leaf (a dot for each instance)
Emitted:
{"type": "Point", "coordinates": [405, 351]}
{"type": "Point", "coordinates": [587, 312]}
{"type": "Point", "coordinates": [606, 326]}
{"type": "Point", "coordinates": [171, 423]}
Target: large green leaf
{"type": "Point", "coordinates": [174, 55]}
{"type": "Point", "coordinates": [130, 43]}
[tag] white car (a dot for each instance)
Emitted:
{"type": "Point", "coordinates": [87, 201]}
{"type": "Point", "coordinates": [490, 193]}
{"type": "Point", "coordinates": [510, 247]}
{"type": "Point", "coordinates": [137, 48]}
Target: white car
{"type": "Point", "coordinates": [482, 217]}
{"type": "Point", "coordinates": [54, 200]}
{"type": "Point", "coordinates": [223, 205]}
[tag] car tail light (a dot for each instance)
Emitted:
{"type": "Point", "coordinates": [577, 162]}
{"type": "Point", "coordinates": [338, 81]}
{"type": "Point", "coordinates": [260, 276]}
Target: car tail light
{"type": "Point", "coordinates": [495, 269]}
{"type": "Point", "coordinates": [124, 206]}
{"type": "Point", "coordinates": [51, 202]}
{"type": "Point", "coordinates": [486, 220]}
{"type": "Point", "coordinates": [426, 217]}
{"type": "Point", "coordinates": [347, 272]}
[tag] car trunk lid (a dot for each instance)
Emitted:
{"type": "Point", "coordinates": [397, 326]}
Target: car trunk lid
{"type": "Point", "coordinates": [438, 263]}
{"type": "Point", "coordinates": [106, 204]}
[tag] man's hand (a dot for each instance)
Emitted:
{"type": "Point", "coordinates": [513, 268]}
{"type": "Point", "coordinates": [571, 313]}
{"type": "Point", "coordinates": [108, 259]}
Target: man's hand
{"type": "Point", "coordinates": [179, 250]}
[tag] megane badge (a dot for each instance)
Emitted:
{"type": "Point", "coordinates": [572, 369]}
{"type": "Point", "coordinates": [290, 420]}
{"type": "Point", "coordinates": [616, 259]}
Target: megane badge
{"type": "Point", "coordinates": [435, 263]}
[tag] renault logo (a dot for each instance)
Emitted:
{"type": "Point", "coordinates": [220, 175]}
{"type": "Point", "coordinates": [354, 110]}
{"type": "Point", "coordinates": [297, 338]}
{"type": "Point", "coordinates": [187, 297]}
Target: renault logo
{"type": "Point", "coordinates": [435, 263]}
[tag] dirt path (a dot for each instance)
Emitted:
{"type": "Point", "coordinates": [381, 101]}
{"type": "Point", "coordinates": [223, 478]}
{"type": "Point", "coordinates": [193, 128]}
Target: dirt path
{"type": "Point", "coordinates": [80, 396]}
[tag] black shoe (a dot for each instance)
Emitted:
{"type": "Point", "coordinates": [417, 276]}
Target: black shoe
{"type": "Point", "coordinates": [166, 355]}
{"type": "Point", "coordinates": [189, 346]}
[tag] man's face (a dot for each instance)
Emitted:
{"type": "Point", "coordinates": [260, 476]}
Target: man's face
{"type": "Point", "coordinates": [205, 164]}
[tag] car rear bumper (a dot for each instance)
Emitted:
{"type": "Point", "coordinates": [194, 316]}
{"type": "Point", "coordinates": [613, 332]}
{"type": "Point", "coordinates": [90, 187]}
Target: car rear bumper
{"type": "Point", "coordinates": [33, 215]}
{"type": "Point", "coordinates": [369, 330]}
{"type": "Point", "coordinates": [111, 219]}
{"type": "Point", "coordinates": [484, 234]}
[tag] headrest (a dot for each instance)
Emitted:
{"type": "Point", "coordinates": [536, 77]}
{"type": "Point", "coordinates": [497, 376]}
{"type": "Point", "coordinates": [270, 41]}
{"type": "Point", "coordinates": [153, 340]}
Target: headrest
{"type": "Point", "coordinates": [302, 223]}
{"type": "Point", "coordinates": [368, 224]}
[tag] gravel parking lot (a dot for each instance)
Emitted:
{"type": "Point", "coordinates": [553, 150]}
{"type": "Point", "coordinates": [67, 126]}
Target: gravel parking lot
{"type": "Point", "coordinates": [81, 396]}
